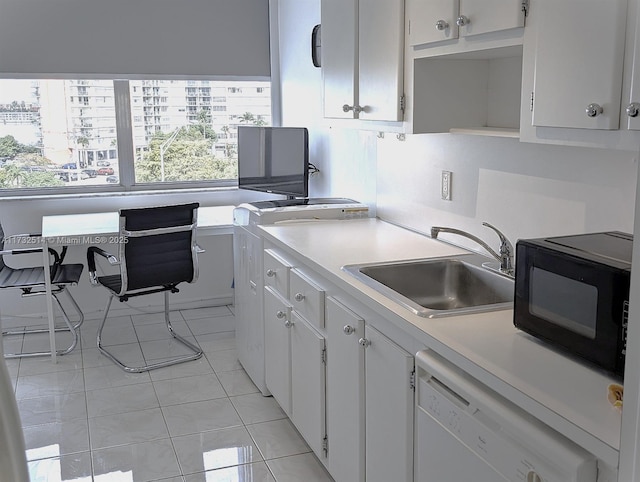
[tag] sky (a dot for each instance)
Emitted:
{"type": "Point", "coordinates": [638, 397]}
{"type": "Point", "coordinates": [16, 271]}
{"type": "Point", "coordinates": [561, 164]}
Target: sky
{"type": "Point", "coordinates": [18, 90]}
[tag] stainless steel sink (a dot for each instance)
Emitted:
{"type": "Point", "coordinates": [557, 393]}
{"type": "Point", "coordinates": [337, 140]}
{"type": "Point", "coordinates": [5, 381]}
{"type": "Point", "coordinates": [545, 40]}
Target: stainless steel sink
{"type": "Point", "coordinates": [439, 286]}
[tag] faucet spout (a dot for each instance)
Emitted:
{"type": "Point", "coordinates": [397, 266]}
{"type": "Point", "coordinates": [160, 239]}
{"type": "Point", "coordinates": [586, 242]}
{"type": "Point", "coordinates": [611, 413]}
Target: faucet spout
{"type": "Point", "coordinates": [506, 248]}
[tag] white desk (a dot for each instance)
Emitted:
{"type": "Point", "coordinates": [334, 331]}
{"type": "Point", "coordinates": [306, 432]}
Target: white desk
{"type": "Point", "coordinates": [79, 229]}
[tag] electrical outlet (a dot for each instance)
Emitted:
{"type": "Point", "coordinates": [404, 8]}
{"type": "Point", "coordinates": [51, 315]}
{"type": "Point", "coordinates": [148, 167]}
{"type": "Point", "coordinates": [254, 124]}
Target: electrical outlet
{"type": "Point", "coordinates": [445, 186]}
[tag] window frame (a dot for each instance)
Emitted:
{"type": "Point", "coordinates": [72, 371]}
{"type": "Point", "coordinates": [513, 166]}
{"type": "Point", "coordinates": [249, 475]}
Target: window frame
{"type": "Point", "coordinates": [126, 147]}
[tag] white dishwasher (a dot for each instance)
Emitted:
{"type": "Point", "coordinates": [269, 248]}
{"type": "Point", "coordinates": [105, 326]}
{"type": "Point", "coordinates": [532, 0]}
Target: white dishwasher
{"type": "Point", "coordinates": [465, 432]}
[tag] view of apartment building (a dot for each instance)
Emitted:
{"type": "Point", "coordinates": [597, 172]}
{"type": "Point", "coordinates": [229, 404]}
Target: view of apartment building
{"type": "Point", "coordinates": [74, 121]}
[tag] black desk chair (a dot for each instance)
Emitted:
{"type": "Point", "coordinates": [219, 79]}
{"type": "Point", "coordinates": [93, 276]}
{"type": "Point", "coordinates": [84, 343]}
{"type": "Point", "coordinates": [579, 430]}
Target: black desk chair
{"type": "Point", "coordinates": [31, 281]}
{"type": "Point", "coordinates": [158, 251]}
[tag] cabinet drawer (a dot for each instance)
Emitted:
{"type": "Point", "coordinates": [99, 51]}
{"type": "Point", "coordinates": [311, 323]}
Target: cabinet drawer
{"type": "Point", "coordinates": [276, 271]}
{"type": "Point", "coordinates": [307, 297]}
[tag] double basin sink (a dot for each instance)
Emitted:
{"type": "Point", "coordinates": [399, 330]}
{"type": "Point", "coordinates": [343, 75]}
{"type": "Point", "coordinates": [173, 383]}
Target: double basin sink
{"type": "Point", "coordinates": [438, 287]}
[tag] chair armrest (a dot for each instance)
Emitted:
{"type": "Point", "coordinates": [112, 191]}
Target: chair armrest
{"type": "Point", "coordinates": [56, 257]}
{"type": "Point", "coordinates": [91, 261]}
{"type": "Point", "coordinates": [59, 257]}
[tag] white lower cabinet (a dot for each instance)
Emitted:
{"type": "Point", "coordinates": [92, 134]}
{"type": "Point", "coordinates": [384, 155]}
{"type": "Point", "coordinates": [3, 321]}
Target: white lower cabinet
{"type": "Point", "coordinates": [369, 401]}
{"type": "Point", "coordinates": [277, 345]}
{"type": "Point", "coordinates": [345, 393]}
{"type": "Point", "coordinates": [389, 409]}
{"type": "Point", "coordinates": [295, 348]}
{"type": "Point", "coordinates": [308, 383]}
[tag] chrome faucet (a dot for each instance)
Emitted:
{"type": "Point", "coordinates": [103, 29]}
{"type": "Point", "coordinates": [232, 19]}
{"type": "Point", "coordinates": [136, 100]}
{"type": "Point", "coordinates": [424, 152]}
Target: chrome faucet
{"type": "Point", "coordinates": [506, 248]}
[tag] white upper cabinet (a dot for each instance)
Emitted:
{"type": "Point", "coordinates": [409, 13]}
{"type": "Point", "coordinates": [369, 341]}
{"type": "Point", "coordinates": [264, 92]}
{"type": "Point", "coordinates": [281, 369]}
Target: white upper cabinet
{"type": "Point", "coordinates": [464, 66]}
{"type": "Point", "coordinates": [438, 20]}
{"type": "Point", "coordinates": [579, 54]}
{"type": "Point", "coordinates": [339, 19]}
{"type": "Point", "coordinates": [432, 21]}
{"type": "Point", "coordinates": [483, 16]}
{"type": "Point", "coordinates": [362, 59]}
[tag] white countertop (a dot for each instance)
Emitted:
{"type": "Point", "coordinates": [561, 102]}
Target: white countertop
{"type": "Point", "coordinates": [565, 394]}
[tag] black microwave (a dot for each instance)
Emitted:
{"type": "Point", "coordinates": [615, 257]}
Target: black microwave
{"type": "Point", "coordinates": [573, 292]}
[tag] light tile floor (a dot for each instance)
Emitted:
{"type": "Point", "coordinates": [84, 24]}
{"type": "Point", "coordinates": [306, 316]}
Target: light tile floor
{"type": "Point", "coordinates": [85, 419]}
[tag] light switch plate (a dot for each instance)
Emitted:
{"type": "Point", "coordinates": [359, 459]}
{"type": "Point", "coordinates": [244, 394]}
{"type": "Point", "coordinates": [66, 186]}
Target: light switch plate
{"type": "Point", "coordinates": [445, 186]}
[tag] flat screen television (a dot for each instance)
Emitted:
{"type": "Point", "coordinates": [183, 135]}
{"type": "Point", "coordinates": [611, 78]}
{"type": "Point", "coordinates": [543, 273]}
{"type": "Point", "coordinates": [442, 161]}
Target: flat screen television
{"type": "Point", "coordinates": [274, 160]}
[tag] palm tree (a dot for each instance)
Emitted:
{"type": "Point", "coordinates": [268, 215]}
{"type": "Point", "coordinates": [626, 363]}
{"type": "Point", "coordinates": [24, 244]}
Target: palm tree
{"type": "Point", "coordinates": [247, 117]}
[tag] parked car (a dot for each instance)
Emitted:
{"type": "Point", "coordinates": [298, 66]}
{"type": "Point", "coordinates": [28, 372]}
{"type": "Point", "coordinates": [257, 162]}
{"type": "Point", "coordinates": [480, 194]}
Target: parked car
{"type": "Point", "coordinates": [105, 171]}
{"type": "Point", "coordinates": [70, 165]}
{"type": "Point", "coordinates": [113, 179]}
{"type": "Point", "coordinates": [88, 173]}
{"type": "Point", "coordinates": [33, 168]}
{"type": "Point", "coordinates": [103, 163]}
{"type": "Point", "coordinates": [68, 176]}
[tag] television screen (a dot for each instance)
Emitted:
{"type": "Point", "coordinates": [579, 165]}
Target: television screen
{"type": "Point", "coordinates": [274, 159]}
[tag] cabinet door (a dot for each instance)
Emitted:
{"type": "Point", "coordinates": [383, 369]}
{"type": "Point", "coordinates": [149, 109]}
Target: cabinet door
{"type": "Point", "coordinates": [345, 393]}
{"type": "Point", "coordinates": [432, 21]}
{"type": "Point", "coordinates": [381, 59]}
{"type": "Point", "coordinates": [389, 410]}
{"type": "Point", "coordinates": [308, 383]}
{"type": "Point", "coordinates": [277, 347]}
{"type": "Point", "coordinates": [241, 289]}
{"type": "Point", "coordinates": [578, 63]}
{"type": "Point", "coordinates": [339, 20]}
{"type": "Point", "coordinates": [483, 16]}
{"type": "Point", "coordinates": [248, 302]}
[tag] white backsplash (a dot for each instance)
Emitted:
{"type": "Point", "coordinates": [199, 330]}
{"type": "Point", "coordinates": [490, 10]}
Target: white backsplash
{"type": "Point", "coordinates": [525, 190]}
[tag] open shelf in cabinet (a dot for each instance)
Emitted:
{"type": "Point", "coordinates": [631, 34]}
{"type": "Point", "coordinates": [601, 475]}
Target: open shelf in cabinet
{"type": "Point", "coordinates": [473, 93]}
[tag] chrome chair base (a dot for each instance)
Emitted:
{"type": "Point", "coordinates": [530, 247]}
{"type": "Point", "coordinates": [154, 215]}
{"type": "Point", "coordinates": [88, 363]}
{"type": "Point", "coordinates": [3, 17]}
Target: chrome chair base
{"type": "Point", "coordinates": [197, 352]}
{"type": "Point", "coordinates": [69, 326]}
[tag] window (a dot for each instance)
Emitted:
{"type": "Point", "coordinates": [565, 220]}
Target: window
{"type": "Point", "coordinates": [65, 134]}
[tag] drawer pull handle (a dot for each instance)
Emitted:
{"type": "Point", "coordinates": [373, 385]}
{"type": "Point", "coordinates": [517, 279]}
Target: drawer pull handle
{"type": "Point", "coordinates": [280, 314]}
{"type": "Point", "coordinates": [348, 330]}
{"type": "Point", "coordinates": [271, 273]}
{"type": "Point", "coordinates": [442, 25]}
{"type": "Point", "coordinates": [364, 342]}
{"type": "Point", "coordinates": [288, 324]}
{"type": "Point", "coordinates": [299, 297]}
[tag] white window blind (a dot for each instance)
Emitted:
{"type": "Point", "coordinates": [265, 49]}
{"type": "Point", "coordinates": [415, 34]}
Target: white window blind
{"type": "Point", "coordinates": [129, 38]}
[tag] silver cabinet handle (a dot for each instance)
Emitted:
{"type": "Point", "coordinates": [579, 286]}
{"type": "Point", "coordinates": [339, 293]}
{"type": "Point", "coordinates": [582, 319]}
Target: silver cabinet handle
{"type": "Point", "coordinates": [271, 273]}
{"type": "Point", "coordinates": [364, 342]}
{"type": "Point", "coordinates": [288, 324]}
{"type": "Point", "coordinates": [280, 314]}
{"type": "Point", "coordinates": [593, 110]}
{"type": "Point", "coordinates": [442, 25]}
{"type": "Point", "coordinates": [299, 297]}
{"type": "Point", "coordinates": [348, 329]}
{"type": "Point", "coordinates": [355, 108]}
{"type": "Point", "coordinates": [462, 20]}
{"type": "Point", "coordinates": [633, 109]}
